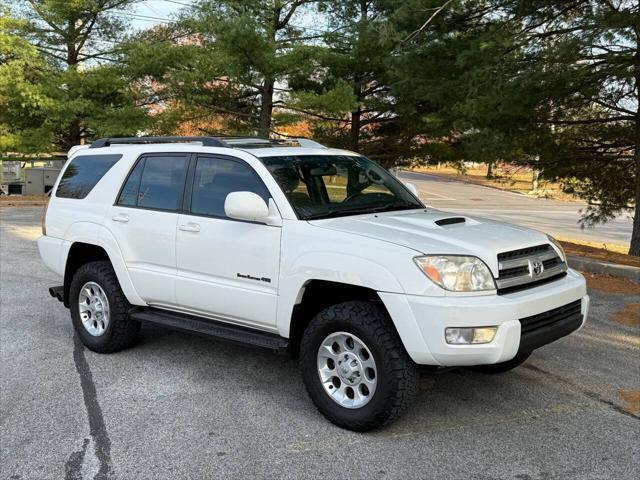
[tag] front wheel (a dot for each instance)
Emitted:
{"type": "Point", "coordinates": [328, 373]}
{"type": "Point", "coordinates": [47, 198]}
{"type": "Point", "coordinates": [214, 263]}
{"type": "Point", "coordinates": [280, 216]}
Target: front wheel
{"type": "Point", "coordinates": [355, 367]}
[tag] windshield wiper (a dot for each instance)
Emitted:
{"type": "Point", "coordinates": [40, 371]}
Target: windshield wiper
{"type": "Point", "coordinates": [363, 210]}
{"type": "Point", "coordinates": [332, 213]}
{"type": "Point", "coordinates": [395, 206]}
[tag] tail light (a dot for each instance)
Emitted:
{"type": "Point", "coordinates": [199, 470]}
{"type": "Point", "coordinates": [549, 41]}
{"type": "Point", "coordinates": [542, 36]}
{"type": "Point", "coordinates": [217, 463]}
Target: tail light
{"type": "Point", "coordinates": [43, 218]}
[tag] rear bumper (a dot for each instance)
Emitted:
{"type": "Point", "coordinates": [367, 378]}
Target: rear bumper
{"type": "Point", "coordinates": [53, 253]}
{"type": "Point", "coordinates": [421, 321]}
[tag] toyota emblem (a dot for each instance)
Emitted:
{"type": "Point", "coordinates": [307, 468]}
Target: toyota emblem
{"type": "Point", "coordinates": [537, 267]}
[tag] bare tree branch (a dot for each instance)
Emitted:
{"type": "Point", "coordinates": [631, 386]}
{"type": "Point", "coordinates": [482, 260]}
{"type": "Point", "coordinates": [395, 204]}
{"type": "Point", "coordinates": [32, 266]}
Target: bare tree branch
{"type": "Point", "coordinates": [425, 24]}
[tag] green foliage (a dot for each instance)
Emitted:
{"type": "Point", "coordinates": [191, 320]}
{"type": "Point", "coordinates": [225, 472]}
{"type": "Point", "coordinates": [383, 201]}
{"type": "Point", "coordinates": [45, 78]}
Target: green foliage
{"type": "Point", "coordinates": [337, 98]}
{"type": "Point", "coordinates": [234, 60]}
{"type": "Point", "coordinates": [24, 99]}
{"type": "Point", "coordinates": [346, 96]}
{"type": "Point", "coordinates": [553, 84]}
{"type": "Point", "coordinates": [58, 83]}
{"type": "Point", "coordinates": [524, 81]}
{"type": "Point", "coordinates": [69, 32]}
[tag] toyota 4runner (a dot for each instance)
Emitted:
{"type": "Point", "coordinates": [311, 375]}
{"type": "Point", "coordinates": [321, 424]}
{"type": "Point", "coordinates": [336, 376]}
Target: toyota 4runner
{"type": "Point", "coordinates": [295, 247]}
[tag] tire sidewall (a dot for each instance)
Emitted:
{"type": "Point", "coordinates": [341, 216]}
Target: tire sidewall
{"type": "Point", "coordinates": [328, 406]}
{"type": "Point", "coordinates": [87, 274]}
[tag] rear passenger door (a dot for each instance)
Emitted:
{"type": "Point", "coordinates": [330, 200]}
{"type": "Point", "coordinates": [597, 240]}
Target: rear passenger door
{"type": "Point", "coordinates": [227, 269]}
{"type": "Point", "coordinates": [144, 220]}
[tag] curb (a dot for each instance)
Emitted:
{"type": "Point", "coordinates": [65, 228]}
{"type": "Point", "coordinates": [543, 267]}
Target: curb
{"type": "Point", "coordinates": [613, 269]}
{"type": "Point", "coordinates": [10, 204]}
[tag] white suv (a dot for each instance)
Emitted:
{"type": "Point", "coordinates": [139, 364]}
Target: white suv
{"type": "Point", "coordinates": [296, 247]}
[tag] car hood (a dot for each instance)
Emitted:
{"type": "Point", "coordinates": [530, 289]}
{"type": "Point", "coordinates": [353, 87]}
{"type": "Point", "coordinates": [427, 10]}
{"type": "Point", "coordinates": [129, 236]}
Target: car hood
{"type": "Point", "coordinates": [438, 232]}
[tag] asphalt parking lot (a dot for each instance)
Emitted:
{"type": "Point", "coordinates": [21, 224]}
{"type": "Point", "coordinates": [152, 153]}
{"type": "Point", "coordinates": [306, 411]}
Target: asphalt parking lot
{"type": "Point", "coordinates": [556, 217]}
{"type": "Point", "coordinates": [178, 406]}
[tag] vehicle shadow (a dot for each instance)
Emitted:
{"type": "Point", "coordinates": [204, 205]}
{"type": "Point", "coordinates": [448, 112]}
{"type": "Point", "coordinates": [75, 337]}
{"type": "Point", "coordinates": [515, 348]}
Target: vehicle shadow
{"type": "Point", "coordinates": [450, 399]}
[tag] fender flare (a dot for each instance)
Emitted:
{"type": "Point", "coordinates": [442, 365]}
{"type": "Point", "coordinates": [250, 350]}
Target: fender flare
{"type": "Point", "coordinates": [333, 267]}
{"type": "Point", "coordinates": [96, 234]}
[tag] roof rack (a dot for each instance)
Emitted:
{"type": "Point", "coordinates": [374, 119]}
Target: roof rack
{"type": "Point", "coordinates": [229, 142]}
{"type": "Point", "coordinates": [206, 141]}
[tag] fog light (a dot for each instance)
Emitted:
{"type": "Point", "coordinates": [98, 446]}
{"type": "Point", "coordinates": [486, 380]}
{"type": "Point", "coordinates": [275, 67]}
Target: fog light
{"type": "Point", "coordinates": [466, 336]}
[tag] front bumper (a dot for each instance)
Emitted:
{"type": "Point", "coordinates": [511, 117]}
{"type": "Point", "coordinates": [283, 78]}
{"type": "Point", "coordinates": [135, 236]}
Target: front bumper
{"type": "Point", "coordinates": [421, 321]}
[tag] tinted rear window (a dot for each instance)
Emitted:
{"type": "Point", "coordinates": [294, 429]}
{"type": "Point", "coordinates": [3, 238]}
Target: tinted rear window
{"type": "Point", "coordinates": [129, 195]}
{"type": "Point", "coordinates": [162, 182]}
{"type": "Point", "coordinates": [156, 182]}
{"type": "Point", "coordinates": [83, 173]}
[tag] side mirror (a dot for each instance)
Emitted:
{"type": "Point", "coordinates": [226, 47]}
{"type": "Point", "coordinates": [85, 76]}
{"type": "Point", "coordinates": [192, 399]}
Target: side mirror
{"type": "Point", "coordinates": [246, 206]}
{"type": "Point", "coordinates": [412, 188]}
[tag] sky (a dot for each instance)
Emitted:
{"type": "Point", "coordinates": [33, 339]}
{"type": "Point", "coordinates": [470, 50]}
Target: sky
{"type": "Point", "coordinates": [148, 13]}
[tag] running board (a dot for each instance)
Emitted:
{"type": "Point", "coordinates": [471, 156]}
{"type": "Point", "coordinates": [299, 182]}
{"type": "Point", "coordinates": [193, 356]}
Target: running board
{"type": "Point", "coordinates": [211, 328]}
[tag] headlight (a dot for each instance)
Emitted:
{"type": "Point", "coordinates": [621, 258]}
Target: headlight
{"type": "Point", "coordinates": [457, 273]}
{"type": "Point", "coordinates": [559, 248]}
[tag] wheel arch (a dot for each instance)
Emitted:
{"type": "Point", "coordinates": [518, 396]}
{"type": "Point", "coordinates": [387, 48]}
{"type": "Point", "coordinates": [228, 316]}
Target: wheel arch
{"type": "Point", "coordinates": [96, 244]}
{"type": "Point", "coordinates": [80, 253]}
{"type": "Point", "coordinates": [316, 295]}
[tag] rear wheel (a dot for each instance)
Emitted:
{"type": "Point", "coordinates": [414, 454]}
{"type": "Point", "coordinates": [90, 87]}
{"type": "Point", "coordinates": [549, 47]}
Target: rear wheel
{"type": "Point", "coordinates": [355, 367]}
{"type": "Point", "coordinates": [503, 366]}
{"type": "Point", "coordinates": [99, 309]}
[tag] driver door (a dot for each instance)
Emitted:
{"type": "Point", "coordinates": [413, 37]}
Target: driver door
{"type": "Point", "coordinates": [227, 269]}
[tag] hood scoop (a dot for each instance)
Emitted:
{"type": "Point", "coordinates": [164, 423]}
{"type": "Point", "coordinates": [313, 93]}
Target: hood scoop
{"type": "Point", "coordinates": [443, 222]}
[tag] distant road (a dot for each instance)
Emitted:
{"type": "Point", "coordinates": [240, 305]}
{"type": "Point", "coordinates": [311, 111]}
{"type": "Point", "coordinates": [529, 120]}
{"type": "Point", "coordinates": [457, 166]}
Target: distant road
{"type": "Point", "coordinates": [551, 216]}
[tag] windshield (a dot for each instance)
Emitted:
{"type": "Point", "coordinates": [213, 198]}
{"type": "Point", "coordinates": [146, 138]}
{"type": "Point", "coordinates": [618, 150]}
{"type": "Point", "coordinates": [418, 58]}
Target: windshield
{"type": "Point", "coordinates": [323, 186]}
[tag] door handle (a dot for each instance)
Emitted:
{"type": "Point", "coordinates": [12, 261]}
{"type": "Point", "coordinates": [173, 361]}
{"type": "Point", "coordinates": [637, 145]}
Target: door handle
{"type": "Point", "coordinates": [121, 217]}
{"type": "Point", "coordinates": [190, 227]}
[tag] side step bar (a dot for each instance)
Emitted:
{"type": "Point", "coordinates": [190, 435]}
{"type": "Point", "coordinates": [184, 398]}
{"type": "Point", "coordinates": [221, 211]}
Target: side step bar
{"type": "Point", "coordinates": [57, 292]}
{"type": "Point", "coordinates": [211, 328]}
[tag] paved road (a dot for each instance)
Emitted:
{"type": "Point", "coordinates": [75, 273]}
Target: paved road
{"type": "Point", "coordinates": [182, 407]}
{"type": "Point", "coordinates": [551, 216]}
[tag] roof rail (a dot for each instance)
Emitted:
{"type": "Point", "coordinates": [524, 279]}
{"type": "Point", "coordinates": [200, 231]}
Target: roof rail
{"type": "Point", "coordinates": [206, 141]}
{"type": "Point", "coordinates": [256, 142]}
{"type": "Point", "coordinates": [222, 141]}
{"type": "Point", "coordinates": [308, 143]}
{"type": "Point", "coordinates": [246, 142]}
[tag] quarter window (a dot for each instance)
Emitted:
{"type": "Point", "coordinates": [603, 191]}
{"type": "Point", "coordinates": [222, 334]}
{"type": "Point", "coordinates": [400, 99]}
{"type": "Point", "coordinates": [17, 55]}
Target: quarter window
{"type": "Point", "coordinates": [83, 173]}
{"type": "Point", "coordinates": [129, 194]}
{"type": "Point", "coordinates": [215, 178]}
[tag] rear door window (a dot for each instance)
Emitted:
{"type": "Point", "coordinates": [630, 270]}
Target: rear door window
{"type": "Point", "coordinates": [83, 173]}
{"type": "Point", "coordinates": [156, 182]}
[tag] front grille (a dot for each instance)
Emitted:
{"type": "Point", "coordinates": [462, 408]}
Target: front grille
{"type": "Point", "coordinates": [514, 272]}
{"type": "Point", "coordinates": [543, 328]}
{"type": "Point", "coordinates": [552, 262]}
{"type": "Point", "coordinates": [526, 267]}
{"type": "Point", "coordinates": [524, 252]}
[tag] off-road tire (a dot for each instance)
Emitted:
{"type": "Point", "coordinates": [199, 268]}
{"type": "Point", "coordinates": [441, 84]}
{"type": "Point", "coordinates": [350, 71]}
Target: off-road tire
{"type": "Point", "coordinates": [503, 366]}
{"type": "Point", "coordinates": [396, 371]}
{"type": "Point", "coordinates": [121, 332]}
